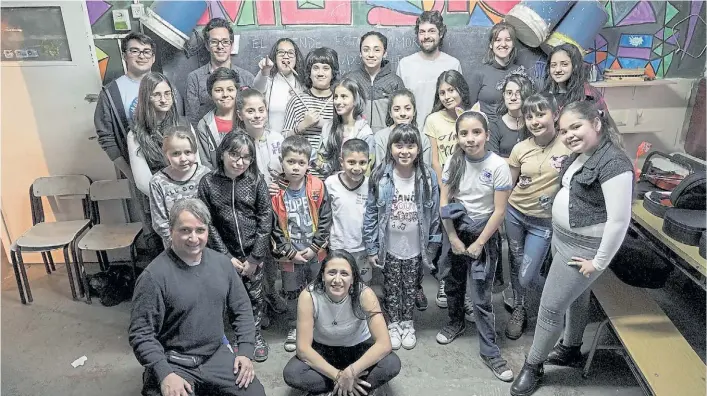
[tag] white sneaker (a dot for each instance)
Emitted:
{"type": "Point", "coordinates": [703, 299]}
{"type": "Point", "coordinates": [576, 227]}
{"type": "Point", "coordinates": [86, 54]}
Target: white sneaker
{"type": "Point", "coordinates": [408, 338]}
{"type": "Point", "coordinates": [291, 340]}
{"type": "Point", "coordinates": [395, 335]}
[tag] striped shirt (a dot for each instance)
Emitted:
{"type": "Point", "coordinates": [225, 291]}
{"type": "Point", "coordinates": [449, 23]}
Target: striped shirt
{"type": "Point", "coordinates": [295, 112]}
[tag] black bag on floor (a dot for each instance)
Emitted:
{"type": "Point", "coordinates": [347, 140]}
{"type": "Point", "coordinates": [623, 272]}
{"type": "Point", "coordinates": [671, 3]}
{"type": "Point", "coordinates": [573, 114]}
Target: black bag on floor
{"type": "Point", "coordinates": [114, 285]}
{"type": "Point", "coordinates": [684, 225]}
{"type": "Point", "coordinates": [637, 265]}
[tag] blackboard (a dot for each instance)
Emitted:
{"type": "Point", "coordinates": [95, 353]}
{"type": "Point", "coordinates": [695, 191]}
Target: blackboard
{"type": "Point", "coordinates": [468, 44]}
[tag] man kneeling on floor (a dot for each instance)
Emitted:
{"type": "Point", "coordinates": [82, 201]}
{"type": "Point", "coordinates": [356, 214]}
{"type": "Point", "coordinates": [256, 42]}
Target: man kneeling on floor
{"type": "Point", "coordinates": [176, 324]}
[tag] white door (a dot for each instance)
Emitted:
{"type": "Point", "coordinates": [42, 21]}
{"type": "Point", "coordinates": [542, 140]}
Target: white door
{"type": "Point", "coordinates": [49, 67]}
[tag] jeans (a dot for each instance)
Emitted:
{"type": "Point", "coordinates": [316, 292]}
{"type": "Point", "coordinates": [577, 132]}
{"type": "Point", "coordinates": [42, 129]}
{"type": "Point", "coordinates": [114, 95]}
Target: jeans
{"type": "Point", "coordinates": [455, 286]}
{"type": "Point", "coordinates": [300, 375]}
{"type": "Point", "coordinates": [528, 244]}
{"type": "Point", "coordinates": [565, 296]}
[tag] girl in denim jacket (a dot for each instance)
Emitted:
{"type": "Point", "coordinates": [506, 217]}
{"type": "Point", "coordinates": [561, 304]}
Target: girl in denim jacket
{"type": "Point", "coordinates": [401, 227]}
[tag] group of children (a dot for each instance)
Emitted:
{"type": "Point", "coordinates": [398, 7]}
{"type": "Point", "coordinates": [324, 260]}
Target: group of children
{"type": "Point", "coordinates": [399, 198]}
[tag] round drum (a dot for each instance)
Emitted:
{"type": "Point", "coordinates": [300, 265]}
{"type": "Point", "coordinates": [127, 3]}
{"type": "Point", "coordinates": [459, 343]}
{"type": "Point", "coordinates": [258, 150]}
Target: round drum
{"type": "Point", "coordinates": [534, 20]}
{"type": "Point", "coordinates": [579, 27]}
{"type": "Point", "coordinates": [174, 20]}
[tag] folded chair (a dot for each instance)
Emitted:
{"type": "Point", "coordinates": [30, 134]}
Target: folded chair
{"type": "Point", "coordinates": [44, 236]}
{"type": "Point", "coordinates": [103, 237]}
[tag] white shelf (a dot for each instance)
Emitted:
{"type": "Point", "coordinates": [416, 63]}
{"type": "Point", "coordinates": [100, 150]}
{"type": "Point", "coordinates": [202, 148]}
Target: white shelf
{"type": "Point", "coordinates": [612, 84]}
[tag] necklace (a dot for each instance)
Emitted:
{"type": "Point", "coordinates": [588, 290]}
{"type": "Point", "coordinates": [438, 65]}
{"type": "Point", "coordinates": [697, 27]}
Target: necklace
{"type": "Point", "coordinates": [542, 151]}
{"type": "Point", "coordinates": [341, 309]}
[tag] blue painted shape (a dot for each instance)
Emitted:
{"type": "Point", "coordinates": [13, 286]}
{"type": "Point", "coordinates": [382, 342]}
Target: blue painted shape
{"type": "Point", "coordinates": [479, 18]}
{"type": "Point", "coordinates": [655, 63]}
{"type": "Point", "coordinates": [400, 6]}
{"type": "Point", "coordinates": [636, 40]}
{"type": "Point", "coordinates": [591, 58]}
{"type": "Point", "coordinates": [632, 63]}
{"type": "Point", "coordinates": [607, 62]}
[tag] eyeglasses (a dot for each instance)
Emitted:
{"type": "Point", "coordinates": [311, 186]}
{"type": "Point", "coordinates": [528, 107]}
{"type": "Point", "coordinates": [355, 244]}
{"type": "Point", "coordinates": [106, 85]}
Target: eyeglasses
{"type": "Point", "coordinates": [215, 43]}
{"type": "Point", "coordinates": [510, 94]}
{"type": "Point", "coordinates": [282, 53]}
{"type": "Point", "coordinates": [235, 156]}
{"type": "Point", "coordinates": [147, 53]}
{"type": "Point", "coordinates": [160, 95]}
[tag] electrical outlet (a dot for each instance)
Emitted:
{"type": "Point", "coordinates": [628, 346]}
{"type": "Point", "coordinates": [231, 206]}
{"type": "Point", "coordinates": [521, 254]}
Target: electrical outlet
{"type": "Point", "coordinates": [138, 10]}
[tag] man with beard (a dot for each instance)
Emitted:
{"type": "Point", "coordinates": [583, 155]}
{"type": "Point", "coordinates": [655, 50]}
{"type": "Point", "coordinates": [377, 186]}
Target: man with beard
{"type": "Point", "coordinates": [218, 38]}
{"type": "Point", "coordinates": [420, 70]}
{"type": "Point", "coordinates": [176, 324]}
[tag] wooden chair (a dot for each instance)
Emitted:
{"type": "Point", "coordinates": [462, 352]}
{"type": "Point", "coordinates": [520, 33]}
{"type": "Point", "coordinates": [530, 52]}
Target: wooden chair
{"type": "Point", "coordinates": [103, 237]}
{"type": "Point", "coordinates": [45, 236]}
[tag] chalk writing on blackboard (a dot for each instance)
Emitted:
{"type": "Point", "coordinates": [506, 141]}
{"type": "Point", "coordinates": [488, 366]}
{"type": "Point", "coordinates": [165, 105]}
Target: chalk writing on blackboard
{"type": "Point", "coordinates": [33, 34]}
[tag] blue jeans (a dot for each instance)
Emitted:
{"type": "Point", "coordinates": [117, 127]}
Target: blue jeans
{"type": "Point", "coordinates": [528, 245]}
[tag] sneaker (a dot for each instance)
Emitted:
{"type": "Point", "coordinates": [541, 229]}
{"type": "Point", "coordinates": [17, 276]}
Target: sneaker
{"type": "Point", "coordinates": [469, 310]}
{"type": "Point", "coordinates": [441, 299]}
{"type": "Point", "coordinates": [261, 348]}
{"type": "Point", "coordinates": [499, 366]}
{"type": "Point", "coordinates": [276, 303]}
{"type": "Point", "coordinates": [449, 332]}
{"type": "Point", "coordinates": [421, 300]}
{"type": "Point", "coordinates": [395, 335]}
{"type": "Point", "coordinates": [517, 323]}
{"type": "Point", "coordinates": [408, 337]}
{"type": "Point", "coordinates": [291, 340]}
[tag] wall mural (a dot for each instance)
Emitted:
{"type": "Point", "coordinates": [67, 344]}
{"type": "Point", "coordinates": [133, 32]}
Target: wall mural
{"type": "Point", "coordinates": [667, 38]}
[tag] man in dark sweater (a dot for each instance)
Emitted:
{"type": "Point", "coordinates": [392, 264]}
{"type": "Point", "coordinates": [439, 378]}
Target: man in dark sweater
{"type": "Point", "coordinates": [176, 325]}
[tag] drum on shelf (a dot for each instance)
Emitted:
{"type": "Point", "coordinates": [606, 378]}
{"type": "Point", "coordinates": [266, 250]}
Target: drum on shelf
{"type": "Point", "coordinates": [174, 20]}
{"type": "Point", "coordinates": [534, 20]}
{"type": "Point", "coordinates": [579, 27]}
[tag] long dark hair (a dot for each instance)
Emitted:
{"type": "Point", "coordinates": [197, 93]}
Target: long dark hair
{"type": "Point", "coordinates": [240, 103]}
{"type": "Point", "coordinates": [490, 57]}
{"type": "Point", "coordinates": [406, 134]}
{"type": "Point", "coordinates": [538, 103]}
{"type": "Point", "coordinates": [234, 142]}
{"type": "Point", "coordinates": [357, 284]}
{"type": "Point", "coordinates": [578, 78]}
{"type": "Point", "coordinates": [588, 111]}
{"type": "Point", "coordinates": [148, 131]}
{"type": "Point", "coordinates": [401, 92]}
{"type": "Point", "coordinates": [332, 149]}
{"type": "Point", "coordinates": [299, 59]}
{"type": "Point", "coordinates": [456, 163]}
{"type": "Point", "coordinates": [455, 79]}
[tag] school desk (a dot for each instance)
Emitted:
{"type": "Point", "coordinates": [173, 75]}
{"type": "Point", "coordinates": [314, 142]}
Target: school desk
{"type": "Point", "coordinates": [686, 258]}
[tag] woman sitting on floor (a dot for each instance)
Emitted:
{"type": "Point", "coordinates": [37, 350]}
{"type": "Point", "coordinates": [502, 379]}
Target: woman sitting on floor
{"type": "Point", "coordinates": [343, 346]}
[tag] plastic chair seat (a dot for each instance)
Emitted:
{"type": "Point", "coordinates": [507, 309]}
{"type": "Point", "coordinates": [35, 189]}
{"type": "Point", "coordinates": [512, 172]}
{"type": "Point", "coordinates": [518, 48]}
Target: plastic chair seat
{"type": "Point", "coordinates": [103, 237]}
{"type": "Point", "coordinates": [51, 235]}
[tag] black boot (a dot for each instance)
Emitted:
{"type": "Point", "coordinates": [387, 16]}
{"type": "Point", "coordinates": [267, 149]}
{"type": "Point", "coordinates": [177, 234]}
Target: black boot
{"type": "Point", "coordinates": [565, 356]}
{"type": "Point", "coordinates": [527, 380]}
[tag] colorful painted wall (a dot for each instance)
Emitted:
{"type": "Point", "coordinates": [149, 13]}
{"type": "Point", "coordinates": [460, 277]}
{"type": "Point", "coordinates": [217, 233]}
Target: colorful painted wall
{"type": "Point", "coordinates": [667, 38]}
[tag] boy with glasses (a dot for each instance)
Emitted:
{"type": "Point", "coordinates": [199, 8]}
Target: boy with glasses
{"type": "Point", "coordinates": [218, 38]}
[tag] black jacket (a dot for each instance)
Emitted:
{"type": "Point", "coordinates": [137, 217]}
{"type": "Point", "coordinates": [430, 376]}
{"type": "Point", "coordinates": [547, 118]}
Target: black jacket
{"type": "Point", "coordinates": [378, 93]}
{"type": "Point", "coordinates": [241, 215]}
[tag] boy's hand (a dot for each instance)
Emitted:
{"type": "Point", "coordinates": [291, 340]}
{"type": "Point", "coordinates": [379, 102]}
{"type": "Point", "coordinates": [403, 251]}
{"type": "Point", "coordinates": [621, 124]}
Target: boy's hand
{"type": "Point", "coordinates": [308, 254]}
{"type": "Point", "coordinates": [299, 259]}
{"type": "Point", "coordinates": [237, 265]}
{"type": "Point", "coordinates": [475, 249]}
{"type": "Point", "coordinates": [273, 189]}
{"type": "Point", "coordinates": [250, 268]}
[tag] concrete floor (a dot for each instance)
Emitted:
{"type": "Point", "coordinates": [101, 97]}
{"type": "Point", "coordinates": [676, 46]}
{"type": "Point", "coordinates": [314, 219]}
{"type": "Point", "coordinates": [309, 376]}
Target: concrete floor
{"type": "Point", "coordinates": [41, 340]}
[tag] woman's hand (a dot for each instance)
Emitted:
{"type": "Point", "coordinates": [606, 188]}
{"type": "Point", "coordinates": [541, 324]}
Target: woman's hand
{"type": "Point", "coordinates": [373, 261]}
{"type": "Point", "coordinates": [349, 384]}
{"type": "Point", "coordinates": [586, 267]}
{"type": "Point", "coordinates": [310, 118]}
{"type": "Point", "coordinates": [265, 66]}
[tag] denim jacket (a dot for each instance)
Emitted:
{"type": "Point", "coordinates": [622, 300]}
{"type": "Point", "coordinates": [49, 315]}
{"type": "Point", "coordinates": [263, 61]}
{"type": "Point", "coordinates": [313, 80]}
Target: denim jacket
{"type": "Point", "coordinates": [378, 211]}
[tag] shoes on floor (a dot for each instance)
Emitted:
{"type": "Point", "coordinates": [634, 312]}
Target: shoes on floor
{"type": "Point", "coordinates": [261, 348]}
{"type": "Point", "coordinates": [421, 300]}
{"type": "Point", "coordinates": [408, 335]}
{"type": "Point", "coordinates": [450, 331]}
{"type": "Point", "coordinates": [395, 332]}
{"type": "Point", "coordinates": [469, 310]}
{"type": "Point", "coordinates": [517, 323]}
{"type": "Point", "coordinates": [441, 298]}
{"type": "Point", "coordinates": [499, 367]}
{"type": "Point", "coordinates": [291, 340]}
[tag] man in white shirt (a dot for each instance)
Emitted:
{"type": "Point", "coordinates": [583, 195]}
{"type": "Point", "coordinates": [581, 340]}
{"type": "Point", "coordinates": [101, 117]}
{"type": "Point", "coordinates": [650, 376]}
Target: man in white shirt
{"type": "Point", "coordinates": [420, 70]}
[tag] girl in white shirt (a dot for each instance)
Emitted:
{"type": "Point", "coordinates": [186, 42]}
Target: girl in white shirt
{"type": "Point", "coordinates": [279, 79]}
{"type": "Point", "coordinates": [475, 187]}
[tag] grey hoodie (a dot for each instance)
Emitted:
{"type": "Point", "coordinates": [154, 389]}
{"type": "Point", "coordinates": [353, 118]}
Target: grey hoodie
{"type": "Point", "coordinates": [378, 92]}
